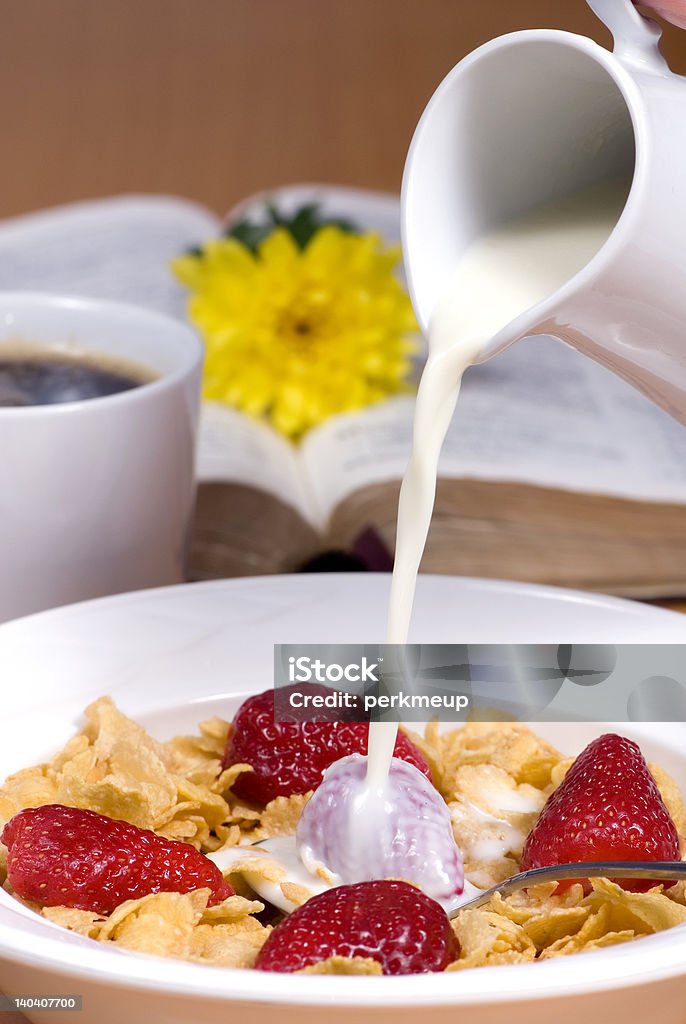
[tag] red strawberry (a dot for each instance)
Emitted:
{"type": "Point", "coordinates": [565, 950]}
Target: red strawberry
{"type": "Point", "coordinates": [67, 857]}
{"type": "Point", "coordinates": [392, 922]}
{"type": "Point", "coordinates": [290, 757]}
{"type": "Point", "coordinates": [608, 807]}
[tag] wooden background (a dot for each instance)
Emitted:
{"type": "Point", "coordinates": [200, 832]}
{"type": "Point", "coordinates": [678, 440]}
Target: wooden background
{"type": "Point", "coordinates": [214, 99]}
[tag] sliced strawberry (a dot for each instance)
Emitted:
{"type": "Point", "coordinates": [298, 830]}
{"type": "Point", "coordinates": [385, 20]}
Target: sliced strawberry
{"type": "Point", "coordinates": [68, 857]}
{"type": "Point", "coordinates": [291, 757]}
{"type": "Point", "coordinates": [608, 807]}
{"type": "Point", "coordinates": [388, 921]}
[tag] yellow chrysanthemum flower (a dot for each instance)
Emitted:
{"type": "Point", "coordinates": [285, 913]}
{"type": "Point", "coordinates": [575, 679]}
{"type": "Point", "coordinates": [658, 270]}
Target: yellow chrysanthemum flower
{"type": "Point", "coordinates": [295, 335]}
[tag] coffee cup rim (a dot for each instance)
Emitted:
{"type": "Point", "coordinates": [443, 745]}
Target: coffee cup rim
{"type": "Point", "coordinates": [187, 362]}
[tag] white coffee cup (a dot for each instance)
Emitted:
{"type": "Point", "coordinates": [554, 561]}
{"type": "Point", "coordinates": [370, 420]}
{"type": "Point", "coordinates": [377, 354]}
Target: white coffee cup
{"type": "Point", "coordinates": [96, 496]}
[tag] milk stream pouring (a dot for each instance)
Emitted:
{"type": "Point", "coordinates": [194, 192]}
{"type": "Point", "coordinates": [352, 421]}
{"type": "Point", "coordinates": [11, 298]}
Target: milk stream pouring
{"type": "Point", "coordinates": [544, 193]}
{"type": "Point", "coordinates": [500, 276]}
{"type": "Point", "coordinates": [367, 823]}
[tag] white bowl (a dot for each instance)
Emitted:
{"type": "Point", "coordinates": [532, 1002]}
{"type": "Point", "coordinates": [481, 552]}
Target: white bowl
{"type": "Point", "coordinates": [172, 657]}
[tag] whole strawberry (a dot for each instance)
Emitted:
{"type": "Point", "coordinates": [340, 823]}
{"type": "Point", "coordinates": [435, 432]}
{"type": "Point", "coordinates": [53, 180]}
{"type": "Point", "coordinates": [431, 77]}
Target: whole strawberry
{"type": "Point", "coordinates": [388, 921]}
{"type": "Point", "coordinates": [290, 757]}
{"type": "Point", "coordinates": [608, 807]}
{"type": "Point", "coordinates": [67, 857]}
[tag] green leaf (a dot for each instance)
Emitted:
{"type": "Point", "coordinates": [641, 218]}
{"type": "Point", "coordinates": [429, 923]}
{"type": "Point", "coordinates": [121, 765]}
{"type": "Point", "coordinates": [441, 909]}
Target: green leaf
{"type": "Point", "coordinates": [251, 235]}
{"type": "Point", "coordinates": [302, 226]}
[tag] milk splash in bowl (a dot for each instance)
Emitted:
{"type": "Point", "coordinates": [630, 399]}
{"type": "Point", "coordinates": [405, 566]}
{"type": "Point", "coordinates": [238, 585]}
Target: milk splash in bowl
{"type": "Point", "coordinates": [401, 829]}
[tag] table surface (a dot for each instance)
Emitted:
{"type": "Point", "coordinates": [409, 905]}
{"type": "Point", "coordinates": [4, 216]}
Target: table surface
{"type": "Point", "coordinates": [216, 100]}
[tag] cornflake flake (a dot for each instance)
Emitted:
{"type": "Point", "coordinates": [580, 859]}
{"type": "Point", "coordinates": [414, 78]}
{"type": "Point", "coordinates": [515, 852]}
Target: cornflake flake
{"type": "Point", "coordinates": [360, 965]}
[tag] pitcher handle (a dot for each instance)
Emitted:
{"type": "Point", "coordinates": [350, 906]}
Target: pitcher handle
{"type": "Point", "coordinates": [636, 38]}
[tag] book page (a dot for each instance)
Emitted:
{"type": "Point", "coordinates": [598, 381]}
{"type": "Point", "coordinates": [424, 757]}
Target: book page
{"type": "Point", "coordinates": [237, 449]}
{"type": "Point", "coordinates": [117, 248]}
{"type": "Point", "coordinates": [539, 413]}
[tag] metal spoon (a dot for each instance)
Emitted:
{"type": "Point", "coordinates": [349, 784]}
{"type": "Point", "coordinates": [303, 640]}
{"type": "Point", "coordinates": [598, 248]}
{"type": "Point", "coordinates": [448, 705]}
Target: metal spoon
{"type": "Point", "coordinates": [658, 870]}
{"type": "Point", "coordinates": [282, 849]}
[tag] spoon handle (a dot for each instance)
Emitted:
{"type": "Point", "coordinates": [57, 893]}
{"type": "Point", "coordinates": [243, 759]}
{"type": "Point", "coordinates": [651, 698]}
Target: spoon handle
{"type": "Point", "coordinates": [658, 870]}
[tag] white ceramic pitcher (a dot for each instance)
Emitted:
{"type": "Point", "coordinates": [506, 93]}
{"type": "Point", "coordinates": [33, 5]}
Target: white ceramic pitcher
{"type": "Point", "coordinates": [531, 117]}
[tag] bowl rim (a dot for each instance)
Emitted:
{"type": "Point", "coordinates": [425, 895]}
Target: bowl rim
{"type": "Point", "coordinates": [488, 586]}
{"type": "Point", "coordinates": [143, 972]}
{"type": "Point", "coordinates": [80, 958]}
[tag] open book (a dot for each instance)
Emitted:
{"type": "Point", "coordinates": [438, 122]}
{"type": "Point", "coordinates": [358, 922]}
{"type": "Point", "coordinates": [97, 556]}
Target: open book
{"type": "Point", "coordinates": [553, 470]}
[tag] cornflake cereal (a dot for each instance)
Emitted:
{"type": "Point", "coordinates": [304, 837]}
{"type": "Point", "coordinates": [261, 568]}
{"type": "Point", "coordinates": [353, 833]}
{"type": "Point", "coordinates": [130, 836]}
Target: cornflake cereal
{"type": "Point", "coordinates": [494, 776]}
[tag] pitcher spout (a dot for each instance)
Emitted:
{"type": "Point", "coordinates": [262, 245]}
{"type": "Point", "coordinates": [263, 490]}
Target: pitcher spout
{"type": "Point", "coordinates": [533, 120]}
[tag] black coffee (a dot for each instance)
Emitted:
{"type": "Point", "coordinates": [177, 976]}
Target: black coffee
{"type": "Point", "coordinates": [46, 380]}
